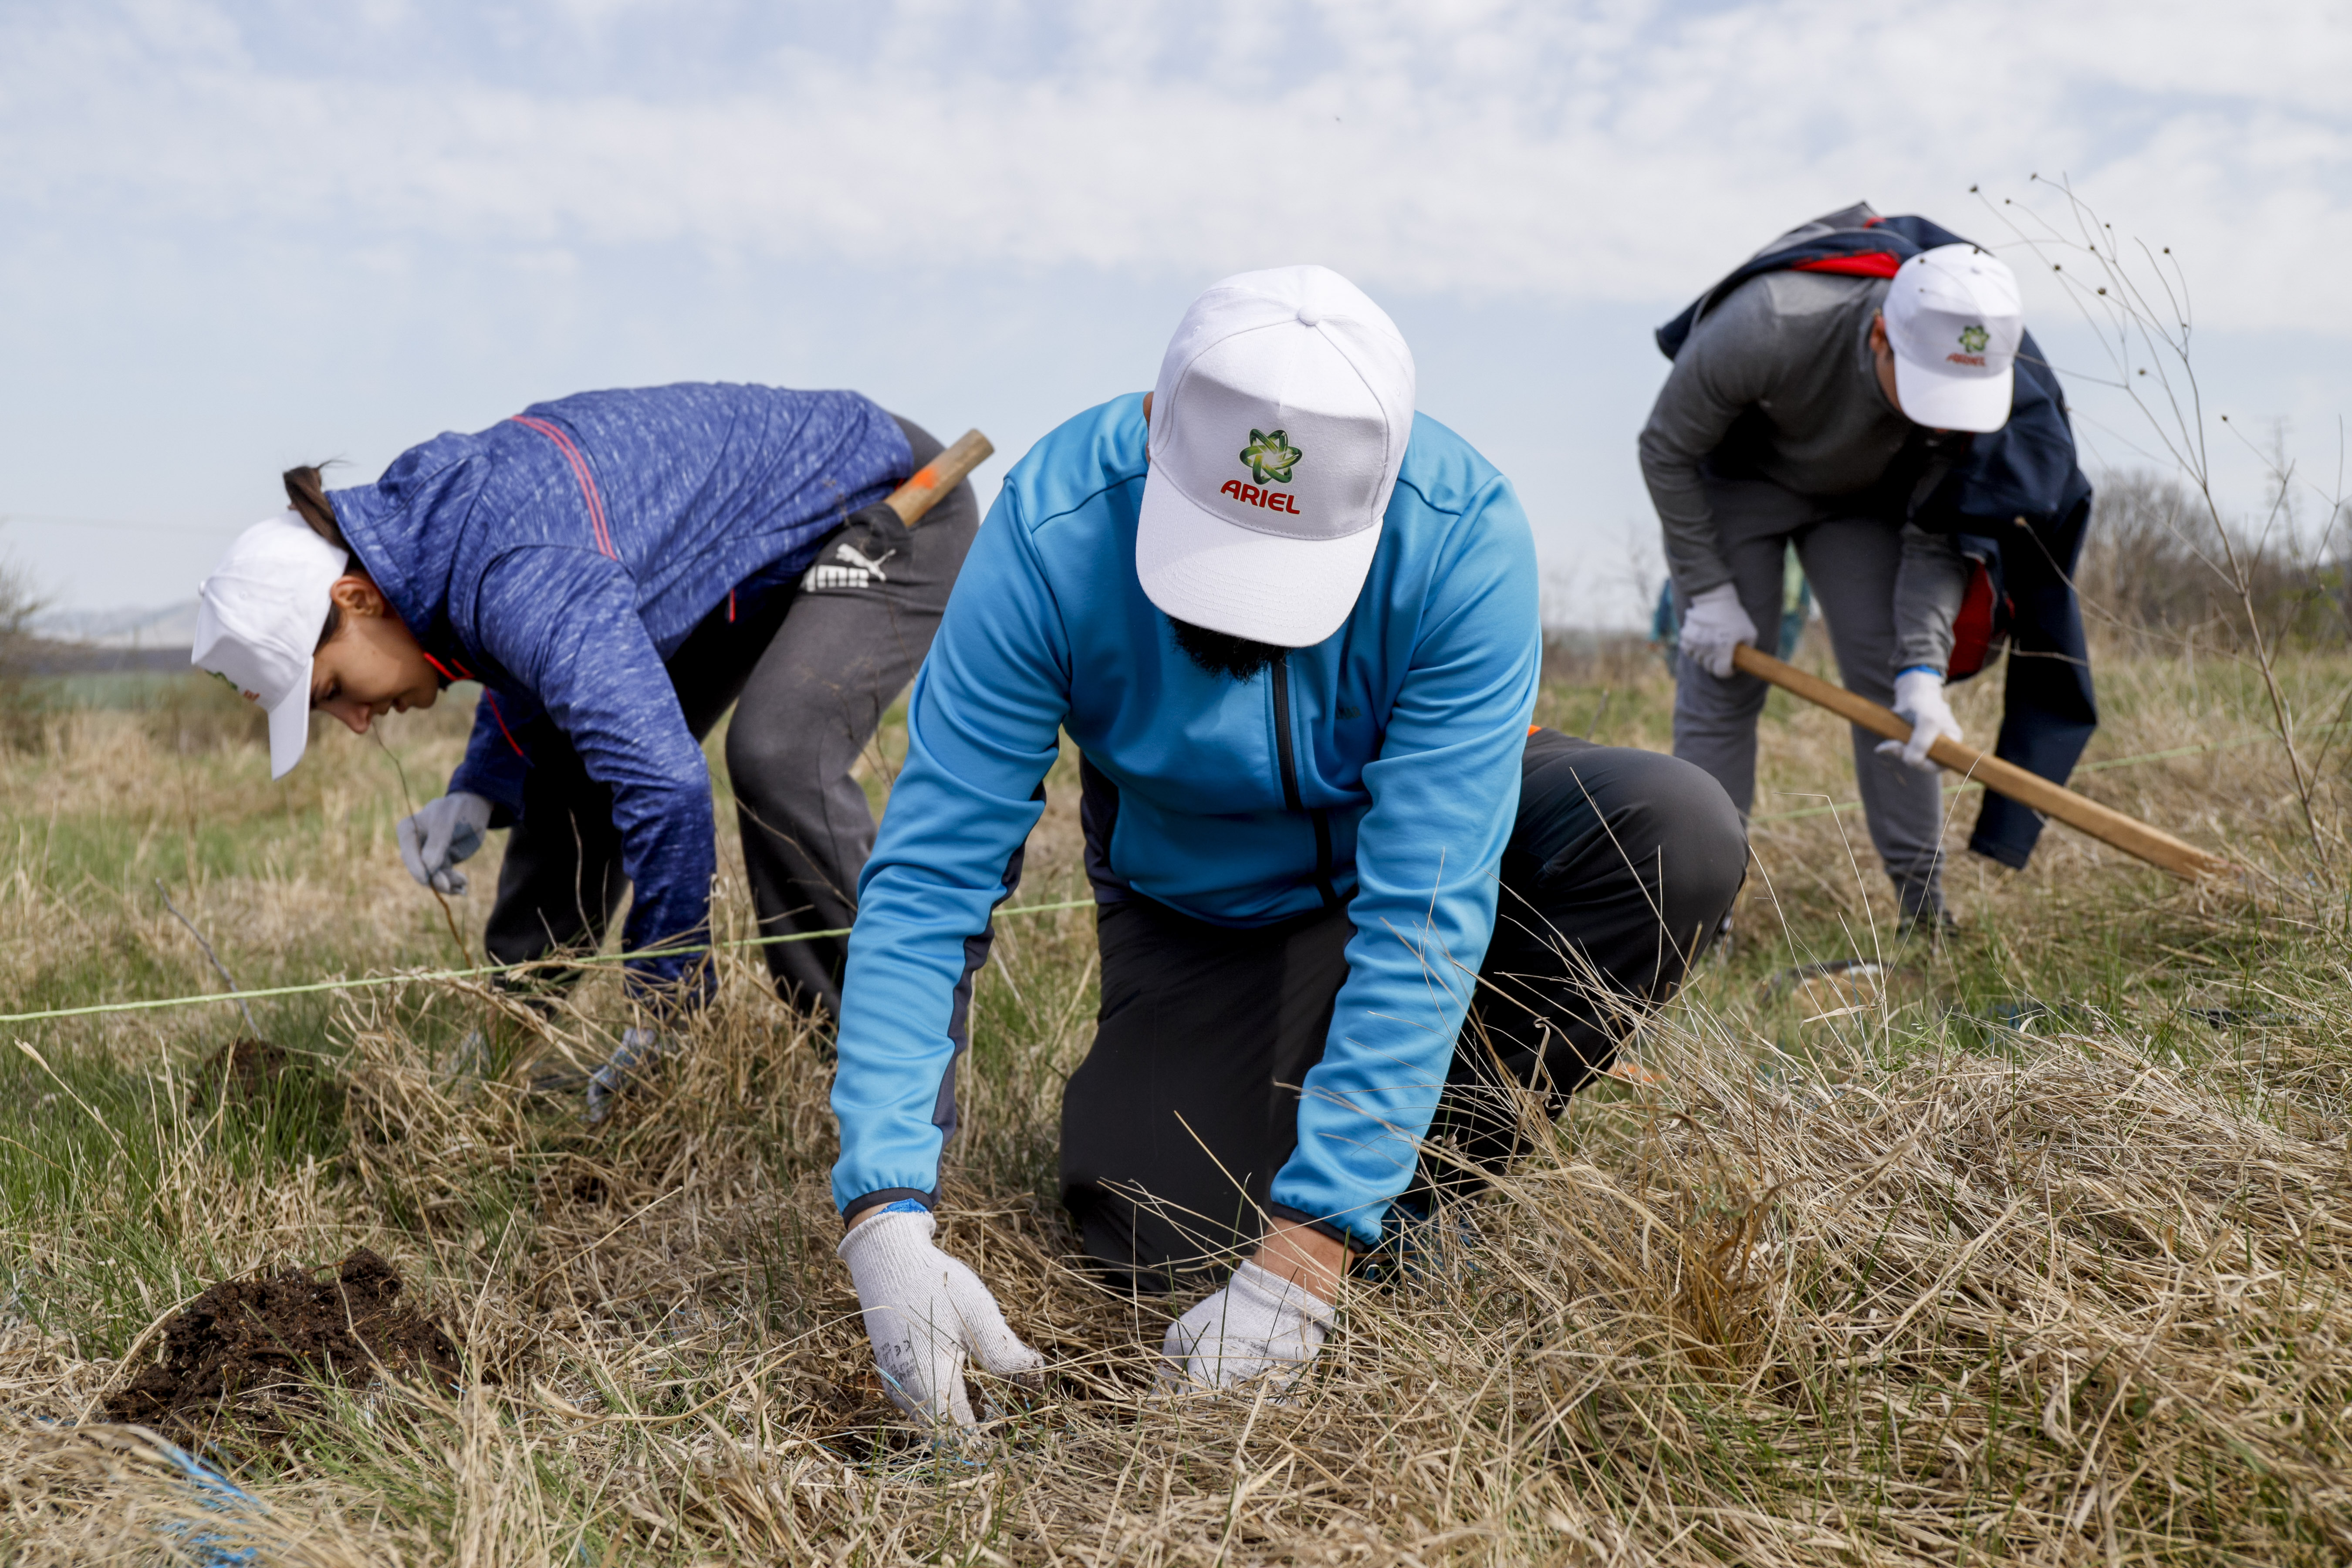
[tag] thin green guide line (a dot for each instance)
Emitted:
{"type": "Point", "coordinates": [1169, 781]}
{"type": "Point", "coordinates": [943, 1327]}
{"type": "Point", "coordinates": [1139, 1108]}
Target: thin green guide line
{"type": "Point", "coordinates": [432, 976]}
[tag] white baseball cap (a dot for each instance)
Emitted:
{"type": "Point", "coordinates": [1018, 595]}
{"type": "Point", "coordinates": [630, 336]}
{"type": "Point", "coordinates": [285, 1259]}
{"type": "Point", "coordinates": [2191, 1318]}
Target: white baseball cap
{"type": "Point", "coordinates": [1278, 424]}
{"type": "Point", "coordinates": [1954, 318]}
{"type": "Point", "coordinates": [258, 616]}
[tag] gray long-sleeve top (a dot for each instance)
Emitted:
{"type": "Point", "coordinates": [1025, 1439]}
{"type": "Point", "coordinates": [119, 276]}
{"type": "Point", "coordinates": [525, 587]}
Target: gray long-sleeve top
{"type": "Point", "coordinates": [1786, 356]}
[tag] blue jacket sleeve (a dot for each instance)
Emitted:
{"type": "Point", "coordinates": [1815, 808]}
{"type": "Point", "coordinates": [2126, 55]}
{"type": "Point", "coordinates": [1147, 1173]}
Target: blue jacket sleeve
{"type": "Point", "coordinates": [1445, 793]}
{"type": "Point", "coordinates": [564, 622]}
{"type": "Point", "coordinates": [982, 728]}
{"type": "Point", "coordinates": [495, 763]}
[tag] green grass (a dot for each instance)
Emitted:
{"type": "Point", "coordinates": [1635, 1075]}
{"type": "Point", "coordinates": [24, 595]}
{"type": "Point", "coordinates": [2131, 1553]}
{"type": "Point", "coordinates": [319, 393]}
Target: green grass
{"type": "Point", "coordinates": [1884, 1276]}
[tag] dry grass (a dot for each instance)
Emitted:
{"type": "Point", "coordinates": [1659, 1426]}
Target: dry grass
{"type": "Point", "coordinates": [2037, 1252]}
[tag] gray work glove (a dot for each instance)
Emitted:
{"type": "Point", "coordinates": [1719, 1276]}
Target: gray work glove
{"type": "Point", "coordinates": [447, 831]}
{"type": "Point", "coordinates": [639, 1049]}
{"type": "Point", "coordinates": [1714, 623]}
{"type": "Point", "coordinates": [1919, 697]}
{"type": "Point", "coordinates": [1259, 1324]}
{"type": "Point", "coordinates": [927, 1314]}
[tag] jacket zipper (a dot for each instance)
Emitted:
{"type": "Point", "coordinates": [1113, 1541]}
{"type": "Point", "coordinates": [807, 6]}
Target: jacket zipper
{"type": "Point", "coordinates": [1290, 796]}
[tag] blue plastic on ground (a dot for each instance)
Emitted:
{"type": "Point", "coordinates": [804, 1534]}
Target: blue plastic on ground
{"type": "Point", "coordinates": [216, 1492]}
{"type": "Point", "coordinates": [220, 1495]}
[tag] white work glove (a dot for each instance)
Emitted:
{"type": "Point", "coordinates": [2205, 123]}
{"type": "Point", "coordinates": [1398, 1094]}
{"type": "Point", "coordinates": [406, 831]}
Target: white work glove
{"type": "Point", "coordinates": [926, 1313]}
{"type": "Point", "coordinates": [1714, 623]}
{"type": "Point", "coordinates": [639, 1049]}
{"type": "Point", "coordinates": [1919, 697]}
{"type": "Point", "coordinates": [1258, 1324]}
{"type": "Point", "coordinates": [447, 831]}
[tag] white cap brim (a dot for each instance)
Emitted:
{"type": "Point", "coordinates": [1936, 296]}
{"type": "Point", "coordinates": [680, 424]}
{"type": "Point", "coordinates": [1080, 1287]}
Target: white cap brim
{"type": "Point", "coordinates": [1291, 593]}
{"type": "Point", "coordinates": [290, 731]}
{"type": "Point", "coordinates": [1976, 403]}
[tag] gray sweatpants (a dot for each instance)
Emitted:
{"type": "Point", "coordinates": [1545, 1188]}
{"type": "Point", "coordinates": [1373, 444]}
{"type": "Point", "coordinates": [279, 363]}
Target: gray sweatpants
{"type": "Point", "coordinates": [809, 670]}
{"type": "Point", "coordinates": [1852, 563]}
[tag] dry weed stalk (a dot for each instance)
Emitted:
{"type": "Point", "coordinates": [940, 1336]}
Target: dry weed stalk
{"type": "Point", "coordinates": [2136, 303]}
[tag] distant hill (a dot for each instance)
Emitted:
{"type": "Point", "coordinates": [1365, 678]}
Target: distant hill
{"type": "Point", "coordinates": [46, 655]}
{"type": "Point", "coordinates": [84, 642]}
{"type": "Point", "coordinates": [173, 627]}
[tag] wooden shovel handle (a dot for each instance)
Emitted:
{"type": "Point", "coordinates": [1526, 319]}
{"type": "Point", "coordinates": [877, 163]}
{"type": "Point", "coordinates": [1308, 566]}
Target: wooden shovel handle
{"type": "Point", "coordinates": [2127, 834]}
{"type": "Point", "coordinates": [938, 477]}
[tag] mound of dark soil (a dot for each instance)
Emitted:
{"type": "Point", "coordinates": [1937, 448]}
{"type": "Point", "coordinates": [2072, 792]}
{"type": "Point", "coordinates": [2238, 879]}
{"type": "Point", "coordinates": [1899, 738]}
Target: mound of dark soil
{"type": "Point", "coordinates": [257, 1343]}
{"type": "Point", "coordinates": [252, 1067]}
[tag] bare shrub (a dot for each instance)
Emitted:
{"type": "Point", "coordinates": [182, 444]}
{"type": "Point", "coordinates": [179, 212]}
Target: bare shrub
{"type": "Point", "coordinates": [2136, 299]}
{"type": "Point", "coordinates": [2155, 569]}
{"type": "Point", "coordinates": [1587, 657]}
{"type": "Point", "coordinates": [19, 707]}
{"type": "Point", "coordinates": [194, 713]}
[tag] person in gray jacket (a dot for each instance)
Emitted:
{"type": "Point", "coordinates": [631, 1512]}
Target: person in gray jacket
{"type": "Point", "coordinates": [1821, 409]}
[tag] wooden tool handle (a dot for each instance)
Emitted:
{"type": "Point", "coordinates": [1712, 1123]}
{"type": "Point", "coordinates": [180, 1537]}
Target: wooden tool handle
{"type": "Point", "coordinates": [938, 477]}
{"type": "Point", "coordinates": [2127, 834]}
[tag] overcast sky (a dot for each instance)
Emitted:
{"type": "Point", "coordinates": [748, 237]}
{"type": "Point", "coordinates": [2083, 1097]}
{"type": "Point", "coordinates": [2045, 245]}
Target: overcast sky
{"type": "Point", "coordinates": [234, 236]}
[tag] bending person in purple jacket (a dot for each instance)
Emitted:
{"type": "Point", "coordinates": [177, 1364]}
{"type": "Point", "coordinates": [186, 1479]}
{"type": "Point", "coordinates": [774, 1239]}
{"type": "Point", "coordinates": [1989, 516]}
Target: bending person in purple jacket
{"type": "Point", "coordinates": [617, 569]}
{"type": "Point", "coordinates": [1290, 625]}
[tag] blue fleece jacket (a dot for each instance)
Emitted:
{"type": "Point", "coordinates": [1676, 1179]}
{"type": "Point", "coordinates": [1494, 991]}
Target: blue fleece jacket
{"type": "Point", "coordinates": [1406, 727]}
{"type": "Point", "coordinates": [561, 555]}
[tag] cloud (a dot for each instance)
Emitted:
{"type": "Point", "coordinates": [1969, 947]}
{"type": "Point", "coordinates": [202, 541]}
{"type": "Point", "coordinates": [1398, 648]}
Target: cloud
{"type": "Point", "coordinates": [1591, 152]}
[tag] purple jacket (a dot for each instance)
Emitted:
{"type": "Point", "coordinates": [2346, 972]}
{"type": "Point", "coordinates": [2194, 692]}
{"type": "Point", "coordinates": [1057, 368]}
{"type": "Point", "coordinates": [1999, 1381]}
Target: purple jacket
{"type": "Point", "coordinates": [561, 556]}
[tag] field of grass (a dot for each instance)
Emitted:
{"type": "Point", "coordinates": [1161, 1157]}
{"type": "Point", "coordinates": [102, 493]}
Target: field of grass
{"type": "Point", "coordinates": [2036, 1249]}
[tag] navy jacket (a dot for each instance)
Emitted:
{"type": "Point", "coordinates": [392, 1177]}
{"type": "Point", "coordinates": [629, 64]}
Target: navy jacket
{"type": "Point", "coordinates": [2015, 501]}
{"type": "Point", "coordinates": [561, 556]}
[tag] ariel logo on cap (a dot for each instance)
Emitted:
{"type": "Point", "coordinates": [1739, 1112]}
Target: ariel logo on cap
{"type": "Point", "coordinates": [233, 686]}
{"type": "Point", "coordinates": [1974, 338]}
{"type": "Point", "coordinates": [1270, 457]}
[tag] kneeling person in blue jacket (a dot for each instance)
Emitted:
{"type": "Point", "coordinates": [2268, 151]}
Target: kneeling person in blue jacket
{"type": "Point", "coordinates": [617, 569]}
{"type": "Point", "coordinates": [1292, 628]}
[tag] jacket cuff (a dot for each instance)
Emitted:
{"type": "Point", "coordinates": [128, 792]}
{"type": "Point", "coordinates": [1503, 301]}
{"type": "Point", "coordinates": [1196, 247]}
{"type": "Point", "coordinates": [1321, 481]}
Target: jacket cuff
{"type": "Point", "coordinates": [857, 1208]}
{"type": "Point", "coordinates": [505, 795]}
{"type": "Point", "coordinates": [1696, 577]}
{"type": "Point", "coordinates": [1924, 648]}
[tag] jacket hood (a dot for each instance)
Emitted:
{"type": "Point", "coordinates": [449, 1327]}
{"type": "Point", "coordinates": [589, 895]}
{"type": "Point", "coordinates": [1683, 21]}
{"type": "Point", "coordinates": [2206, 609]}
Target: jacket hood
{"type": "Point", "coordinates": [406, 529]}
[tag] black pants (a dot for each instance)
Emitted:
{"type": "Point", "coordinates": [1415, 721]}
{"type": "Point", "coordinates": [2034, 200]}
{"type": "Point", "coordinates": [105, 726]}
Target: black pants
{"type": "Point", "coordinates": [809, 670]}
{"type": "Point", "coordinates": [1621, 862]}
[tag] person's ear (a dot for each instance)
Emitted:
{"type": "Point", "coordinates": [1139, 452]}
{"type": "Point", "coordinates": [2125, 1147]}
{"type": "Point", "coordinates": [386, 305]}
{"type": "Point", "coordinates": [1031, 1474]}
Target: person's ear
{"type": "Point", "coordinates": [1147, 409]}
{"type": "Point", "coordinates": [357, 595]}
{"type": "Point", "coordinates": [1878, 333]}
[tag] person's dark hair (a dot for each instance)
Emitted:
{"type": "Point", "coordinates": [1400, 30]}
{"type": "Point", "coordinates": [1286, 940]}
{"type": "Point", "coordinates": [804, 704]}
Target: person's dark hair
{"type": "Point", "coordinates": [1222, 653]}
{"type": "Point", "coordinates": [307, 496]}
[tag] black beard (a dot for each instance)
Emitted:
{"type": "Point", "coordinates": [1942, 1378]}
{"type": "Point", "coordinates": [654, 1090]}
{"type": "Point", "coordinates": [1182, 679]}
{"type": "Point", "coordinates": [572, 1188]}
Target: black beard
{"type": "Point", "coordinates": [1222, 653]}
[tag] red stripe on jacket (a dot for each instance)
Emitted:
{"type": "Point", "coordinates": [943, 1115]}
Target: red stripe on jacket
{"type": "Point", "coordinates": [462, 673]}
{"type": "Point", "coordinates": [1869, 264]}
{"type": "Point", "coordinates": [579, 471]}
{"type": "Point", "coordinates": [492, 704]}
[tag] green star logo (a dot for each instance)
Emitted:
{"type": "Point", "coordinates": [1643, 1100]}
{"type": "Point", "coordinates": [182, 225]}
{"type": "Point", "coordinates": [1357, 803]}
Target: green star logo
{"type": "Point", "coordinates": [1270, 457]}
{"type": "Point", "coordinates": [1973, 338]}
